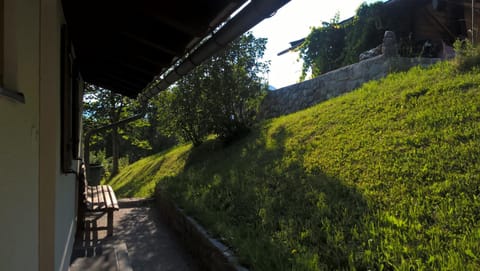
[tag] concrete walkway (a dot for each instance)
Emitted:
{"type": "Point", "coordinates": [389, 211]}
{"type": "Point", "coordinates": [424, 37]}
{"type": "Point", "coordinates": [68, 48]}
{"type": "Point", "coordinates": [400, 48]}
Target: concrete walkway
{"type": "Point", "coordinates": [140, 242]}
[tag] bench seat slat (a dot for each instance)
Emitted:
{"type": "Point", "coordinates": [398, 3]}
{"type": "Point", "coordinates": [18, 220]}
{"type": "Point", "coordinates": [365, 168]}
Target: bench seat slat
{"type": "Point", "coordinates": [106, 196]}
{"type": "Point", "coordinates": [113, 198]}
{"type": "Point", "coordinates": [97, 201]}
{"type": "Point", "coordinates": [94, 197]}
{"type": "Point", "coordinates": [89, 197]}
{"type": "Point", "coordinates": [101, 197]}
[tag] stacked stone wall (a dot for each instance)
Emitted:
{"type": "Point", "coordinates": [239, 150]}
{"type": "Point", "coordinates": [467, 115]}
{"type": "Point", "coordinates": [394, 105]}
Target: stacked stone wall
{"type": "Point", "coordinates": [299, 96]}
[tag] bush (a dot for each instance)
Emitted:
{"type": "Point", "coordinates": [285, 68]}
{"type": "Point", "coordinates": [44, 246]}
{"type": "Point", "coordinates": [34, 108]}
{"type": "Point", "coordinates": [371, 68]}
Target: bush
{"type": "Point", "coordinates": [221, 96]}
{"type": "Point", "coordinates": [337, 44]}
{"type": "Point", "coordinates": [468, 55]}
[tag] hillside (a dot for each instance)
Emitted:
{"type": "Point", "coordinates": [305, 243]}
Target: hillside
{"type": "Point", "coordinates": [384, 178]}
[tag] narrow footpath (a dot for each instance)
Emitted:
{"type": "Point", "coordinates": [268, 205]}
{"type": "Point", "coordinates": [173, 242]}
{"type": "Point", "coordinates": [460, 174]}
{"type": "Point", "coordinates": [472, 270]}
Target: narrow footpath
{"type": "Point", "coordinates": [140, 242]}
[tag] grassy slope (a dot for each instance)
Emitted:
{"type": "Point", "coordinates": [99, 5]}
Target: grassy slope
{"type": "Point", "coordinates": [386, 177]}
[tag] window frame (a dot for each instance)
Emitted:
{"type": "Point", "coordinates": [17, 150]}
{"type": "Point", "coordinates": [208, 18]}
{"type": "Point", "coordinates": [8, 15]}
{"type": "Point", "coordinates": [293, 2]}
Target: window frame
{"type": "Point", "coordinates": [66, 148]}
{"type": "Point", "coordinates": [71, 97]}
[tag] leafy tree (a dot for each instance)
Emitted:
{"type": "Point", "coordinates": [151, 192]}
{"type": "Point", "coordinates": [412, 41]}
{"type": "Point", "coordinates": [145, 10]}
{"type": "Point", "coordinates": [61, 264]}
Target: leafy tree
{"type": "Point", "coordinates": [234, 86]}
{"type": "Point", "coordinates": [220, 96]}
{"type": "Point", "coordinates": [323, 48]}
{"type": "Point", "coordinates": [103, 107]}
{"type": "Point", "coordinates": [180, 111]}
{"type": "Point", "coordinates": [336, 44]}
{"type": "Point", "coordinates": [364, 32]}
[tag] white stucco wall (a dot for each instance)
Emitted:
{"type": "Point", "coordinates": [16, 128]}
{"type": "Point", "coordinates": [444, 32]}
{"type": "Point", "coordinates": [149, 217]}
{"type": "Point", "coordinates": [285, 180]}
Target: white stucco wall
{"type": "Point", "coordinates": [37, 201]}
{"type": "Point", "coordinates": [19, 139]}
{"type": "Point", "coordinates": [56, 190]}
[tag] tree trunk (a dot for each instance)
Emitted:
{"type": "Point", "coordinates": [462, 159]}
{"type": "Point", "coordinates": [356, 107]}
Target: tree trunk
{"type": "Point", "coordinates": [115, 152]}
{"type": "Point", "coordinates": [114, 117]}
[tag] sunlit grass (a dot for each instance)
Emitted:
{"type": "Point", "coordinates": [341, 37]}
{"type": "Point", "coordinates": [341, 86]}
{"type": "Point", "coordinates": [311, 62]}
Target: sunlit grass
{"type": "Point", "coordinates": [139, 179]}
{"type": "Point", "coordinates": [384, 178]}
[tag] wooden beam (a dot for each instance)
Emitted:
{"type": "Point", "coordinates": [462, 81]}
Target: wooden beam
{"type": "Point", "coordinates": [124, 82]}
{"type": "Point", "coordinates": [466, 3]}
{"type": "Point", "coordinates": [193, 21]}
{"type": "Point", "coordinates": [112, 79]}
{"type": "Point", "coordinates": [181, 26]}
{"type": "Point", "coordinates": [440, 24]}
{"type": "Point", "coordinates": [157, 46]}
{"type": "Point", "coordinates": [137, 66]}
{"type": "Point", "coordinates": [153, 62]}
{"type": "Point", "coordinates": [121, 89]}
{"type": "Point", "coordinates": [109, 68]}
{"type": "Point", "coordinates": [132, 67]}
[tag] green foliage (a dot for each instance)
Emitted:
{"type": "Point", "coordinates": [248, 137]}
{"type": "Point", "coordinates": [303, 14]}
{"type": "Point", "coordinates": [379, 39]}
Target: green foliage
{"type": "Point", "coordinates": [180, 111]}
{"type": "Point", "coordinates": [468, 55]}
{"type": "Point", "coordinates": [322, 50]}
{"type": "Point", "coordinates": [383, 178]}
{"type": "Point", "coordinates": [337, 44]}
{"type": "Point", "coordinates": [221, 96]}
{"type": "Point", "coordinates": [139, 179]}
{"type": "Point", "coordinates": [234, 86]}
{"type": "Point", "coordinates": [103, 107]}
{"type": "Point", "coordinates": [98, 158]}
{"type": "Point", "coordinates": [132, 140]}
{"type": "Point", "coordinates": [364, 32]}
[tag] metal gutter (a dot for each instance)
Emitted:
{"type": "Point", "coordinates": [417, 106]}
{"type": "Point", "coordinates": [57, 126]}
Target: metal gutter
{"type": "Point", "coordinates": [249, 16]}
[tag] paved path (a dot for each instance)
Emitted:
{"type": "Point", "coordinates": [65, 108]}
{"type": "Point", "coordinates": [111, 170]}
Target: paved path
{"type": "Point", "coordinates": [138, 232]}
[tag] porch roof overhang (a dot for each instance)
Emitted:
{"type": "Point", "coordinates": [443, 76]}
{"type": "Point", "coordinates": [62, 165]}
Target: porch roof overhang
{"type": "Point", "coordinates": [124, 46]}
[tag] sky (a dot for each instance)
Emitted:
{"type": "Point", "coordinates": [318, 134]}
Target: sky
{"type": "Point", "coordinates": [292, 22]}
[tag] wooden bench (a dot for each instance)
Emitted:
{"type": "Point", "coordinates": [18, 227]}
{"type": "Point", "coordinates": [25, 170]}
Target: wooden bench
{"type": "Point", "coordinates": [97, 200]}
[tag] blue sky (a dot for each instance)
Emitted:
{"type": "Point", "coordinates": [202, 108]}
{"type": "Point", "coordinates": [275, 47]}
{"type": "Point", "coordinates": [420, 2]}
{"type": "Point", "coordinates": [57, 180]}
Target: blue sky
{"type": "Point", "coordinates": [292, 22]}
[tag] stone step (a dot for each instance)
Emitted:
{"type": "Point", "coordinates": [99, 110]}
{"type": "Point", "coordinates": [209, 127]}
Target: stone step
{"type": "Point", "coordinates": [106, 257]}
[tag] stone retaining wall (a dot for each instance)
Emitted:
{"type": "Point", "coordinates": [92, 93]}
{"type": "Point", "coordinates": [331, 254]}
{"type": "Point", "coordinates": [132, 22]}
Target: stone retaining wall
{"type": "Point", "coordinates": [308, 93]}
{"type": "Point", "coordinates": [210, 253]}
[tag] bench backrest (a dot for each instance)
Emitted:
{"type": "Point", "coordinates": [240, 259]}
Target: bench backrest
{"type": "Point", "coordinates": [83, 184]}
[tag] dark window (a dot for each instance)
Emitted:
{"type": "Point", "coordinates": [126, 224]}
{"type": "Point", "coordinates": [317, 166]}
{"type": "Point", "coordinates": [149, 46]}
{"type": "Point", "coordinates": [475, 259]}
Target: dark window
{"type": "Point", "coordinates": [66, 100]}
{"type": "Point", "coordinates": [77, 99]}
{"type": "Point", "coordinates": [71, 101]}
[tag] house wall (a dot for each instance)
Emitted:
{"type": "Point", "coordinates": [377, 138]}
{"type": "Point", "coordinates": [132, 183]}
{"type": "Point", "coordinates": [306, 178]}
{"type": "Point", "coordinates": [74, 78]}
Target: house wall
{"type": "Point", "coordinates": [37, 201]}
{"type": "Point", "coordinates": [432, 25]}
{"type": "Point", "coordinates": [476, 21]}
{"type": "Point", "coordinates": [19, 139]}
{"type": "Point", "coordinates": [57, 190]}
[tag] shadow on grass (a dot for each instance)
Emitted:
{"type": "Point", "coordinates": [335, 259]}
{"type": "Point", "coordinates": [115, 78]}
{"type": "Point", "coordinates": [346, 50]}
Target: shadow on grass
{"type": "Point", "coordinates": [258, 198]}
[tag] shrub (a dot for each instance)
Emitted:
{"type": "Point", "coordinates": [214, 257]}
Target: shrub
{"type": "Point", "coordinates": [221, 96]}
{"type": "Point", "coordinates": [468, 55]}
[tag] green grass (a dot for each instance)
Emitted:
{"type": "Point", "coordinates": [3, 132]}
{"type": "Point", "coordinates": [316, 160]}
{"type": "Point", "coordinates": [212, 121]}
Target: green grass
{"type": "Point", "coordinates": [139, 179]}
{"type": "Point", "coordinates": [383, 178]}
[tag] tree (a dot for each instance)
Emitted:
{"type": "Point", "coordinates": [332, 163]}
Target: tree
{"type": "Point", "coordinates": [220, 96]}
{"type": "Point", "coordinates": [234, 86]}
{"type": "Point", "coordinates": [337, 44]}
{"type": "Point", "coordinates": [103, 107]}
{"type": "Point", "coordinates": [180, 112]}
{"type": "Point", "coordinates": [323, 48]}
